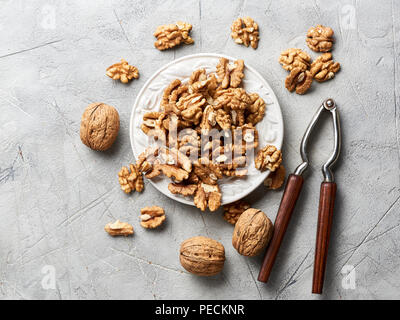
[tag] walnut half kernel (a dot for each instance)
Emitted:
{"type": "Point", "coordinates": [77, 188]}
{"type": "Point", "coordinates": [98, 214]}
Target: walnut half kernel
{"type": "Point", "coordinates": [230, 74]}
{"type": "Point", "coordinates": [294, 58]}
{"type": "Point", "coordinates": [320, 38]}
{"type": "Point", "coordinates": [171, 35]}
{"type": "Point", "coordinates": [324, 68]}
{"type": "Point", "coordinates": [299, 80]}
{"type": "Point", "coordinates": [152, 217]}
{"type": "Point", "coordinates": [131, 179]}
{"type": "Point", "coordinates": [245, 31]}
{"type": "Point", "coordinates": [183, 189]}
{"type": "Point", "coordinates": [208, 195]}
{"type": "Point", "coordinates": [268, 158]}
{"type": "Point", "coordinates": [275, 179]}
{"type": "Point", "coordinates": [122, 71]}
{"type": "Point", "coordinates": [118, 228]}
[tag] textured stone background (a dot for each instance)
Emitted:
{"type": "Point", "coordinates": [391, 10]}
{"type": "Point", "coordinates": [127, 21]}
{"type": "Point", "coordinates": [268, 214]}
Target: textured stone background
{"type": "Point", "coordinates": [56, 195]}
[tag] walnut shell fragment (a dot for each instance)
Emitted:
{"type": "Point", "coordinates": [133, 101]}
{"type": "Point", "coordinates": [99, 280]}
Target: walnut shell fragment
{"type": "Point", "coordinates": [118, 228]}
{"type": "Point", "coordinates": [202, 256]}
{"type": "Point", "coordinates": [99, 126]}
{"type": "Point", "coordinates": [252, 232]}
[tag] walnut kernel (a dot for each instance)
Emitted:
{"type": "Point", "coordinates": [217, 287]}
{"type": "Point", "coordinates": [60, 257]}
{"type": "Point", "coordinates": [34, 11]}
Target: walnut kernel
{"type": "Point", "coordinates": [122, 71]}
{"type": "Point", "coordinates": [230, 75]}
{"type": "Point", "coordinates": [245, 31]}
{"type": "Point", "coordinates": [170, 171]}
{"type": "Point", "coordinates": [233, 210]}
{"type": "Point", "coordinates": [299, 80]}
{"type": "Point", "coordinates": [294, 58]}
{"type": "Point", "coordinates": [192, 107]}
{"type": "Point", "coordinates": [206, 171]}
{"type": "Point", "coordinates": [183, 189]}
{"type": "Point", "coordinates": [152, 217]}
{"type": "Point", "coordinates": [171, 35]}
{"type": "Point", "coordinates": [207, 195]}
{"type": "Point", "coordinates": [268, 158]}
{"type": "Point", "coordinates": [256, 110]}
{"type": "Point", "coordinates": [276, 179]}
{"type": "Point", "coordinates": [131, 180]}
{"type": "Point", "coordinates": [320, 38]}
{"type": "Point", "coordinates": [119, 228]}
{"type": "Point", "coordinates": [174, 157]}
{"type": "Point", "coordinates": [150, 121]}
{"type": "Point", "coordinates": [323, 68]}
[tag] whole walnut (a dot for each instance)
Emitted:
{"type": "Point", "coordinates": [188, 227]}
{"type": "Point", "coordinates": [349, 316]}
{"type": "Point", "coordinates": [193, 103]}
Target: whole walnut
{"type": "Point", "coordinates": [202, 256]}
{"type": "Point", "coordinates": [252, 232]}
{"type": "Point", "coordinates": [99, 126]}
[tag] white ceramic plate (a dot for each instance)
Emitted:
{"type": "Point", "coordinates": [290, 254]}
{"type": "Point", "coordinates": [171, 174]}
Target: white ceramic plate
{"type": "Point", "coordinates": [270, 128]}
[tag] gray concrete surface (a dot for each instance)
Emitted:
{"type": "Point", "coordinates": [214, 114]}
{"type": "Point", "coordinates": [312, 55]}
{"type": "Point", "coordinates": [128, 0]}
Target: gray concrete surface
{"type": "Point", "coordinates": [56, 195]}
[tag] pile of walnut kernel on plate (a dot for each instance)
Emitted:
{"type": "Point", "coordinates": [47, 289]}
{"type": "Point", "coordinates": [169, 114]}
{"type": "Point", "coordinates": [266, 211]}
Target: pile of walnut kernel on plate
{"type": "Point", "coordinates": [204, 130]}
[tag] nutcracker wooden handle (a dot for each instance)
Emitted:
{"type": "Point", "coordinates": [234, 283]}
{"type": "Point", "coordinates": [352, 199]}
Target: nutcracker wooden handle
{"type": "Point", "coordinates": [288, 202]}
{"type": "Point", "coordinates": [325, 213]}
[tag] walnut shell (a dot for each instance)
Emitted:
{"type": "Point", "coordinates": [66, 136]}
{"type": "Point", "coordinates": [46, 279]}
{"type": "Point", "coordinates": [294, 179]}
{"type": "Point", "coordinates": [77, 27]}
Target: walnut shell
{"type": "Point", "coordinates": [252, 232]}
{"type": "Point", "coordinates": [99, 126]}
{"type": "Point", "coordinates": [202, 256]}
